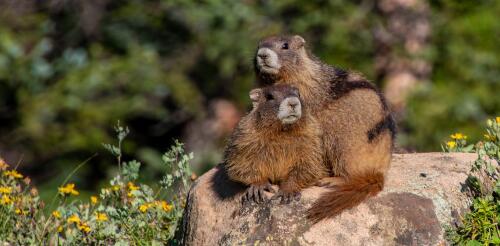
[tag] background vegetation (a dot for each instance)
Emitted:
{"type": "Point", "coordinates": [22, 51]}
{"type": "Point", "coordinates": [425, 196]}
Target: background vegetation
{"type": "Point", "coordinates": [182, 69]}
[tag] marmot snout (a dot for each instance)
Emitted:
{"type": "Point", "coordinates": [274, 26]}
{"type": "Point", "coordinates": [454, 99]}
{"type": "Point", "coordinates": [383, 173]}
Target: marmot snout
{"type": "Point", "coordinates": [279, 102]}
{"type": "Point", "coordinates": [267, 60]}
{"type": "Point", "coordinates": [290, 110]}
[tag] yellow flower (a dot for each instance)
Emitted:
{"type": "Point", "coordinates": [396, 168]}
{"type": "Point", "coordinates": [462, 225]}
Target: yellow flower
{"type": "Point", "coordinates": [59, 229]}
{"type": "Point", "coordinates": [83, 227]}
{"type": "Point", "coordinates": [144, 207]}
{"type": "Point", "coordinates": [74, 219]}
{"type": "Point", "coordinates": [458, 136]}
{"type": "Point", "coordinates": [5, 200]}
{"type": "Point", "coordinates": [56, 214]}
{"type": "Point", "coordinates": [451, 144]}
{"type": "Point", "coordinates": [68, 189]}
{"type": "Point", "coordinates": [3, 164]}
{"type": "Point", "coordinates": [132, 187]}
{"type": "Point", "coordinates": [115, 187]}
{"type": "Point", "coordinates": [5, 190]}
{"type": "Point", "coordinates": [165, 206]}
{"type": "Point", "coordinates": [101, 216]}
{"type": "Point", "coordinates": [497, 119]}
{"type": "Point", "coordinates": [93, 199]}
{"type": "Point", "coordinates": [19, 212]}
{"type": "Point", "coordinates": [13, 173]}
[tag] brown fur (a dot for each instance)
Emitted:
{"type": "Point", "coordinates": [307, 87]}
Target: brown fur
{"type": "Point", "coordinates": [357, 126]}
{"type": "Point", "coordinates": [262, 150]}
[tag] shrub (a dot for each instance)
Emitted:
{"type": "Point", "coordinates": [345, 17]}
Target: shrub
{"type": "Point", "coordinates": [123, 213]}
{"type": "Point", "coordinates": [481, 226]}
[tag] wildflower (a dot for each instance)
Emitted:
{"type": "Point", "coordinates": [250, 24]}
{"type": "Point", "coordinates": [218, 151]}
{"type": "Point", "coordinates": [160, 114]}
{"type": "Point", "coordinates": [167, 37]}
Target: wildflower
{"type": "Point", "coordinates": [451, 144]}
{"type": "Point", "coordinates": [83, 227]}
{"type": "Point", "coordinates": [101, 216]}
{"type": "Point", "coordinates": [13, 173]}
{"type": "Point", "coordinates": [458, 136]}
{"type": "Point", "coordinates": [144, 207]}
{"type": "Point", "coordinates": [56, 214]}
{"type": "Point", "coordinates": [5, 200]}
{"type": "Point", "coordinates": [68, 189]}
{"type": "Point", "coordinates": [74, 219]}
{"type": "Point", "coordinates": [59, 229]}
{"type": "Point", "coordinates": [165, 206]}
{"type": "Point", "coordinates": [5, 190]}
{"type": "Point", "coordinates": [19, 211]}
{"type": "Point", "coordinates": [3, 164]}
{"type": "Point", "coordinates": [132, 187]}
{"type": "Point", "coordinates": [497, 119]}
{"type": "Point", "coordinates": [115, 187]}
{"type": "Point", "coordinates": [93, 200]}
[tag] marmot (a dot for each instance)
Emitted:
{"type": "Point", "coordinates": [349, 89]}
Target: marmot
{"type": "Point", "coordinates": [277, 142]}
{"type": "Point", "coordinates": [358, 127]}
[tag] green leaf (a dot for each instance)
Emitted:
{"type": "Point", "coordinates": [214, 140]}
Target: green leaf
{"type": "Point", "coordinates": [473, 243]}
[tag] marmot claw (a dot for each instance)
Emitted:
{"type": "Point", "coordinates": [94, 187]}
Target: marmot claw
{"type": "Point", "coordinates": [287, 197]}
{"type": "Point", "coordinates": [256, 194]}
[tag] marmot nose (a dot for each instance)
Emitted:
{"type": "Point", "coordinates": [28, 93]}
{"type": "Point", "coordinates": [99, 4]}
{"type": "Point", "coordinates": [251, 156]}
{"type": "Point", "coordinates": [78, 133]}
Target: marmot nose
{"type": "Point", "coordinates": [263, 55]}
{"type": "Point", "coordinates": [293, 103]}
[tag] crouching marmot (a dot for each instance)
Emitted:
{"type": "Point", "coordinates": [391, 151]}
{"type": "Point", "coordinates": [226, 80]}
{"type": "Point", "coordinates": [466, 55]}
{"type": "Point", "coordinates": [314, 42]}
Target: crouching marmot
{"type": "Point", "coordinates": [278, 142]}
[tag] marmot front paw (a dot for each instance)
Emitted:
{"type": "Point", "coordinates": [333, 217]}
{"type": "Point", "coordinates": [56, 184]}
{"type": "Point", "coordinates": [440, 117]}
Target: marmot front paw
{"type": "Point", "coordinates": [256, 192]}
{"type": "Point", "coordinates": [287, 197]}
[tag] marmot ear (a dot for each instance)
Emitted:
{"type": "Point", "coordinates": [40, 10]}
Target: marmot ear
{"type": "Point", "coordinates": [255, 95]}
{"type": "Point", "coordinates": [300, 41]}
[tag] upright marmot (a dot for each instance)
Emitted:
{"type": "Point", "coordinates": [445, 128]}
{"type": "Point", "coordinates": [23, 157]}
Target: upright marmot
{"type": "Point", "coordinates": [277, 142]}
{"type": "Point", "coordinates": [358, 128]}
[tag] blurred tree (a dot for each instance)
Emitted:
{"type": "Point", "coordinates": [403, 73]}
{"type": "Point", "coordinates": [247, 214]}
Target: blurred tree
{"type": "Point", "coordinates": [402, 47]}
{"type": "Point", "coordinates": [465, 79]}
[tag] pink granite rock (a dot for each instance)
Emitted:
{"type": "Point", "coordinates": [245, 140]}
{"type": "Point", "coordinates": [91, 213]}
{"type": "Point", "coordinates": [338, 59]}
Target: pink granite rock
{"type": "Point", "coordinates": [421, 197]}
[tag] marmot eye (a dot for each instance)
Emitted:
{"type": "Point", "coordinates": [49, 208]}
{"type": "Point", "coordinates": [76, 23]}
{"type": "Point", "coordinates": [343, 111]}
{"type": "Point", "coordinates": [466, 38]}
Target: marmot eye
{"type": "Point", "coordinates": [284, 46]}
{"type": "Point", "coordinates": [269, 97]}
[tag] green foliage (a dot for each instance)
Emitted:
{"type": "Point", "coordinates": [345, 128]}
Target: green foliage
{"type": "Point", "coordinates": [481, 226]}
{"type": "Point", "coordinates": [466, 66]}
{"type": "Point", "coordinates": [123, 213]}
{"type": "Point", "coordinates": [67, 72]}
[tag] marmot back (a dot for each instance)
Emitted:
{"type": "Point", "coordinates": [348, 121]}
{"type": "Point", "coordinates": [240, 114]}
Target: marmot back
{"type": "Point", "coordinates": [278, 142]}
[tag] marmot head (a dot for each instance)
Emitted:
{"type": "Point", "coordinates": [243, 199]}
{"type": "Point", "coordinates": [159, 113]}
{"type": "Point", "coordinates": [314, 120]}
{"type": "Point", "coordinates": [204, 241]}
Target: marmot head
{"type": "Point", "coordinates": [279, 57]}
{"type": "Point", "coordinates": [276, 105]}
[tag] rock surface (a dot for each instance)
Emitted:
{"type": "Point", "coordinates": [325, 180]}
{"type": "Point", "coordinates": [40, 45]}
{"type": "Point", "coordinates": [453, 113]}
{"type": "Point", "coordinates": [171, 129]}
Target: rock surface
{"type": "Point", "coordinates": [421, 197]}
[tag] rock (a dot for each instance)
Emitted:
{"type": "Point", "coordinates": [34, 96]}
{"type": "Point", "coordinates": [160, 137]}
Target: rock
{"type": "Point", "coordinates": [421, 198]}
